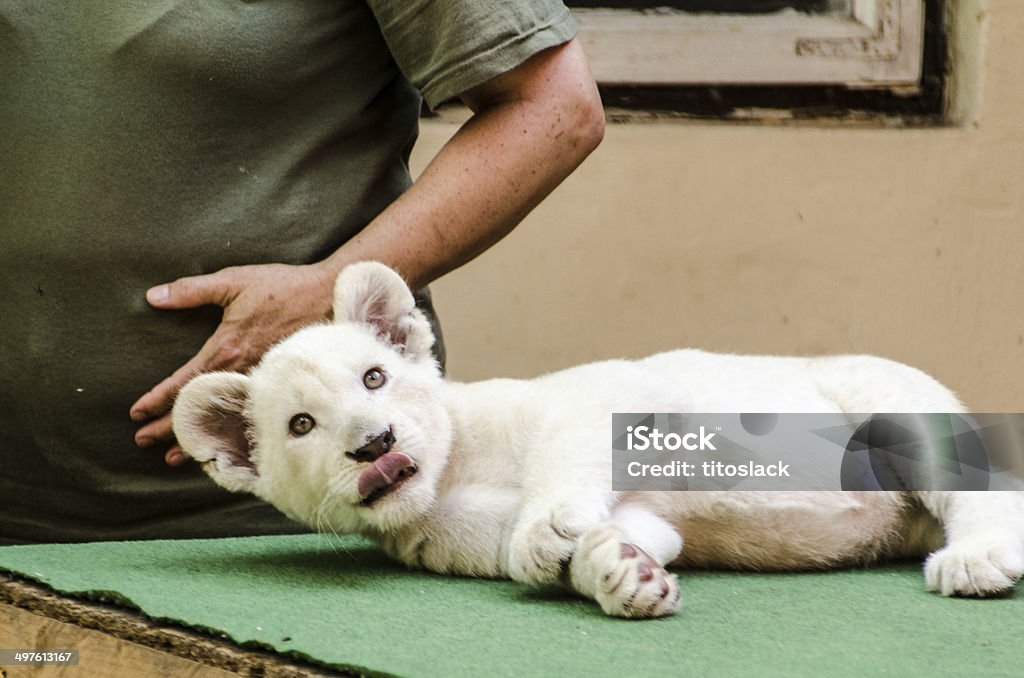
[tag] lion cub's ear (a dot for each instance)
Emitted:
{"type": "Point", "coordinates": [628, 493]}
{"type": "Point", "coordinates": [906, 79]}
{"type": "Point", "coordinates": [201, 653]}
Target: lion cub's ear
{"type": "Point", "coordinates": [369, 292]}
{"type": "Point", "coordinates": [210, 425]}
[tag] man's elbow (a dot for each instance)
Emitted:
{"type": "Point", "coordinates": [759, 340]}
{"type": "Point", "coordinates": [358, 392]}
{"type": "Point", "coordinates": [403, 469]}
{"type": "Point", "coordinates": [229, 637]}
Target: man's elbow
{"type": "Point", "coordinates": [592, 123]}
{"type": "Point", "coordinates": [588, 123]}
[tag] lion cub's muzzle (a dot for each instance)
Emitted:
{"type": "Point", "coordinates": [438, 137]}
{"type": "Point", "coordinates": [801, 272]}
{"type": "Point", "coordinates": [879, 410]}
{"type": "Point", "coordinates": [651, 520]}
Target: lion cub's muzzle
{"type": "Point", "coordinates": [388, 469]}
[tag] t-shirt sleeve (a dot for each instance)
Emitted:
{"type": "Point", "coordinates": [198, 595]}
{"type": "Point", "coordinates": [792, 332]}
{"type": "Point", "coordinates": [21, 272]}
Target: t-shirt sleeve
{"type": "Point", "coordinates": [445, 47]}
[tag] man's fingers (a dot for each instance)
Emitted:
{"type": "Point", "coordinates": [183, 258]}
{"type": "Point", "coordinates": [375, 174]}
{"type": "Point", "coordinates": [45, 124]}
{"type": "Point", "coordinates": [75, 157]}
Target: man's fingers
{"type": "Point", "coordinates": [160, 431]}
{"type": "Point", "coordinates": [217, 288]}
{"type": "Point", "coordinates": [160, 398]}
{"type": "Point", "coordinates": [157, 431]}
{"type": "Point", "coordinates": [218, 353]}
{"type": "Point", "coordinates": [175, 456]}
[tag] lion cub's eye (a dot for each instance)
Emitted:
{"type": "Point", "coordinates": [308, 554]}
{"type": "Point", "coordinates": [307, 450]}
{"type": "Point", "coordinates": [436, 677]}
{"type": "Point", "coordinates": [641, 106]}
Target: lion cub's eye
{"type": "Point", "coordinates": [301, 424]}
{"type": "Point", "coordinates": [374, 378]}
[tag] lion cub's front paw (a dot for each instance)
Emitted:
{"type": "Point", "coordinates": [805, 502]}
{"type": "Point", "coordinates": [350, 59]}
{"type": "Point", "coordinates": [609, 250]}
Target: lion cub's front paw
{"type": "Point", "coordinates": [981, 566]}
{"type": "Point", "coordinates": [542, 546]}
{"type": "Point", "coordinates": [622, 578]}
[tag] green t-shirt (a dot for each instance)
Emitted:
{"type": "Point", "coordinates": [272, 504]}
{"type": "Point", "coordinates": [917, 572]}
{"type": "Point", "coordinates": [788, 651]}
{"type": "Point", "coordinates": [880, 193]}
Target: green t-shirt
{"type": "Point", "coordinates": [142, 141]}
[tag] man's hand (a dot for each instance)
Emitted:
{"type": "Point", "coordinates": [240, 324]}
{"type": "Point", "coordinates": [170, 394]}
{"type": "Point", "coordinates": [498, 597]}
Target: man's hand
{"type": "Point", "coordinates": [262, 305]}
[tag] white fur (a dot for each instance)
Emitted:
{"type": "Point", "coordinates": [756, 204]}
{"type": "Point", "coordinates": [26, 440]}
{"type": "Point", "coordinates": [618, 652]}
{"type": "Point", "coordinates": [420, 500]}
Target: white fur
{"type": "Point", "coordinates": [513, 476]}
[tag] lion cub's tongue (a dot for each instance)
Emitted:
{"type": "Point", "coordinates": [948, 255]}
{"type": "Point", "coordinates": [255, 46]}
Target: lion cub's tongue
{"type": "Point", "coordinates": [387, 470]}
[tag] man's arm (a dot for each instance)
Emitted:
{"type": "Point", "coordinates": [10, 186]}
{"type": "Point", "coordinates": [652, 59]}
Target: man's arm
{"type": "Point", "coordinates": [531, 128]}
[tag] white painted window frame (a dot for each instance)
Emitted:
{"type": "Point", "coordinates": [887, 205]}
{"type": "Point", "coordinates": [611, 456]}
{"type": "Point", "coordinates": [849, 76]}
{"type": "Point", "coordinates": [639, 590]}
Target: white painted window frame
{"type": "Point", "coordinates": [879, 45]}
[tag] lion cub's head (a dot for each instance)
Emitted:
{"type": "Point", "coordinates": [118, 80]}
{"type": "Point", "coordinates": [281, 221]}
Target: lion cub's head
{"type": "Point", "coordinates": [341, 425]}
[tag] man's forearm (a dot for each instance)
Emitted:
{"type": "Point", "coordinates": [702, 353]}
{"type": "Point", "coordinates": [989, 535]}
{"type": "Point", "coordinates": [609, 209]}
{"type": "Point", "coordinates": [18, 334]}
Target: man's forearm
{"type": "Point", "coordinates": [526, 137]}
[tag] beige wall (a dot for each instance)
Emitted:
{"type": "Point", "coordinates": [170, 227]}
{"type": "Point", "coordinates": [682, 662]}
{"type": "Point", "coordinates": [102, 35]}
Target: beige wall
{"type": "Point", "coordinates": [796, 240]}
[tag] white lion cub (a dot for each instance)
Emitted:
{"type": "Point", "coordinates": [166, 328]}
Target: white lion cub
{"type": "Point", "coordinates": [350, 427]}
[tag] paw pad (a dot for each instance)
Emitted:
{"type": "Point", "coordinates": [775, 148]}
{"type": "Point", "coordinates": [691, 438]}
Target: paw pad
{"type": "Point", "coordinates": [623, 578]}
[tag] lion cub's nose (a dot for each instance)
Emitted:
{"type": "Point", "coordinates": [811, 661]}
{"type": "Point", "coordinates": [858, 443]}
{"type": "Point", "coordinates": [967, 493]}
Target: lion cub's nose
{"type": "Point", "coordinates": [375, 448]}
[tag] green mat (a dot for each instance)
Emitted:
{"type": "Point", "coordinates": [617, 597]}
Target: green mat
{"type": "Point", "coordinates": [342, 603]}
